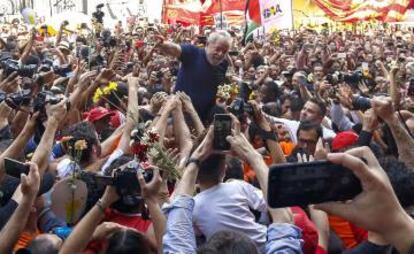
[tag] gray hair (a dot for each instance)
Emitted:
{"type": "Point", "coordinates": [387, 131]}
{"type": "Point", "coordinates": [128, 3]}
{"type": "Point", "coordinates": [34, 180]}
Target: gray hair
{"type": "Point", "coordinates": [215, 36]}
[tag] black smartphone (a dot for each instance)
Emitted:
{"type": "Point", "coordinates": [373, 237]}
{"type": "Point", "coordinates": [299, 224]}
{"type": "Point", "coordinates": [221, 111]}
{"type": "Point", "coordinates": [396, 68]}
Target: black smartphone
{"type": "Point", "coordinates": [15, 168]}
{"type": "Point", "coordinates": [222, 129]}
{"type": "Point", "coordinates": [233, 53]}
{"type": "Point", "coordinates": [301, 184]}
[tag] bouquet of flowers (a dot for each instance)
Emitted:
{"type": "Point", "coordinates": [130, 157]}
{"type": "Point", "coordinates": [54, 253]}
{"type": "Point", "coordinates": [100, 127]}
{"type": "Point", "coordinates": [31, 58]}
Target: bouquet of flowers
{"type": "Point", "coordinates": [146, 147]}
{"type": "Point", "coordinates": [101, 92]}
{"type": "Point", "coordinates": [227, 92]}
{"type": "Point", "coordinates": [74, 148]}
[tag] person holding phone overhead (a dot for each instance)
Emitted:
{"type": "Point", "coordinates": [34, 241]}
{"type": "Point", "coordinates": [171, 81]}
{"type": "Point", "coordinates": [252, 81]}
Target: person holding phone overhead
{"type": "Point", "coordinates": [202, 69]}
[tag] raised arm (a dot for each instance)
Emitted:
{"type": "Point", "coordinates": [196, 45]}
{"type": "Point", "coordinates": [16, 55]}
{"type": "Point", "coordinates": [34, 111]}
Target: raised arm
{"type": "Point", "coordinates": [169, 48]}
{"type": "Point", "coordinates": [270, 137]}
{"type": "Point", "coordinates": [383, 108]}
{"type": "Point", "coordinates": [15, 149]}
{"type": "Point", "coordinates": [56, 114]}
{"type": "Point", "coordinates": [27, 191]}
{"type": "Point", "coordinates": [132, 114]}
{"type": "Point", "coordinates": [394, 89]}
{"type": "Point", "coordinates": [150, 193]}
{"type": "Point", "coordinates": [189, 108]}
{"type": "Point", "coordinates": [182, 133]}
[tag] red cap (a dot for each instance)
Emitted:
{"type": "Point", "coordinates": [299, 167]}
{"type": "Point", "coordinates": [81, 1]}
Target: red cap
{"type": "Point", "coordinates": [344, 139]}
{"type": "Point", "coordinates": [96, 114]}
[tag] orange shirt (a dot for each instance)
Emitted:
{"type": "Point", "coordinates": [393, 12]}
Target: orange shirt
{"type": "Point", "coordinates": [350, 234]}
{"type": "Point", "coordinates": [25, 239]}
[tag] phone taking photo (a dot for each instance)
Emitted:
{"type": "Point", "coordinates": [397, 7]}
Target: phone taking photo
{"type": "Point", "coordinates": [302, 184]}
{"type": "Point", "coordinates": [222, 129]}
{"type": "Point", "coordinates": [15, 168]}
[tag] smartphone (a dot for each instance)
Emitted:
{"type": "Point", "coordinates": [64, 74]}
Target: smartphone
{"type": "Point", "coordinates": [222, 129]}
{"type": "Point", "coordinates": [15, 168]}
{"type": "Point", "coordinates": [233, 53]}
{"type": "Point", "coordinates": [301, 184]}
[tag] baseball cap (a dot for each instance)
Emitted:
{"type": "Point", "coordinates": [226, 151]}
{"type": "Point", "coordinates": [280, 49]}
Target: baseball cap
{"type": "Point", "coordinates": [96, 114]}
{"type": "Point", "coordinates": [344, 139]}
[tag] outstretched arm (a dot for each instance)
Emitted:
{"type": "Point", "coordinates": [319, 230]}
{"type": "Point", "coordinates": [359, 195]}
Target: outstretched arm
{"type": "Point", "coordinates": [383, 107]}
{"type": "Point", "coordinates": [169, 48]}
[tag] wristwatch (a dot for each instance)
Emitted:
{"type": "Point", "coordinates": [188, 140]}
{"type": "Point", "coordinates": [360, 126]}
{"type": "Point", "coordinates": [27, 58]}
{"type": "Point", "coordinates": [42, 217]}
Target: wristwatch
{"type": "Point", "coordinates": [193, 160]}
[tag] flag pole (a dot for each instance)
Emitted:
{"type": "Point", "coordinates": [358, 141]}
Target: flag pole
{"type": "Point", "coordinates": [221, 15]}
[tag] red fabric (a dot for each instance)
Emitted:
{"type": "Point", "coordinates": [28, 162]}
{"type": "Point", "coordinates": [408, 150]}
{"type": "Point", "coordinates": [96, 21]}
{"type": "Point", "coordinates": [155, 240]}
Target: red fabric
{"type": "Point", "coordinates": [96, 114]}
{"type": "Point", "coordinates": [254, 11]}
{"type": "Point", "coordinates": [360, 234]}
{"type": "Point", "coordinates": [309, 232]}
{"type": "Point", "coordinates": [115, 119]}
{"type": "Point", "coordinates": [349, 11]}
{"type": "Point", "coordinates": [344, 139]}
{"type": "Point", "coordinates": [320, 250]}
{"type": "Point", "coordinates": [132, 221]}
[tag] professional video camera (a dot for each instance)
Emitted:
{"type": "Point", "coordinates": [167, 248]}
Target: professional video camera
{"type": "Point", "coordinates": [240, 104]}
{"type": "Point", "coordinates": [354, 78]}
{"type": "Point", "coordinates": [18, 99]}
{"type": "Point", "coordinates": [62, 70]}
{"type": "Point", "coordinates": [43, 98]}
{"type": "Point", "coordinates": [99, 14]}
{"type": "Point", "coordinates": [9, 66]}
{"type": "Point", "coordinates": [126, 183]}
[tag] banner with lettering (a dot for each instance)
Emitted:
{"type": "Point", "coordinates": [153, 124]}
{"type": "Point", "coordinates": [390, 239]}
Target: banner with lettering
{"type": "Point", "coordinates": [276, 15]}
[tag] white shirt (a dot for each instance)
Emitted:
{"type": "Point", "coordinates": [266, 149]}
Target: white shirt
{"type": "Point", "coordinates": [226, 206]}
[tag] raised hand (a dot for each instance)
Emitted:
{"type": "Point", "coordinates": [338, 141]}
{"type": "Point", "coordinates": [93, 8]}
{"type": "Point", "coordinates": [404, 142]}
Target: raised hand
{"type": "Point", "coordinates": [57, 111]}
{"type": "Point", "coordinates": [383, 107]}
{"type": "Point", "coordinates": [105, 76]}
{"type": "Point", "coordinates": [150, 191]}
{"type": "Point", "coordinates": [30, 183]}
{"type": "Point", "coordinates": [377, 202]}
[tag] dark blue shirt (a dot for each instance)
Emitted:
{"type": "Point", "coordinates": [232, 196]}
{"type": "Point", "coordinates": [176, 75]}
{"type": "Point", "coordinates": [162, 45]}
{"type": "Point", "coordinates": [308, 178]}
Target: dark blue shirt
{"type": "Point", "coordinates": [199, 79]}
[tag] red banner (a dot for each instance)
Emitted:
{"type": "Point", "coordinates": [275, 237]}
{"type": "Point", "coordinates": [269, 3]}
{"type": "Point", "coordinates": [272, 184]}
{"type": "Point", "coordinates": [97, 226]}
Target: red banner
{"type": "Point", "coordinates": [187, 13]}
{"type": "Point", "coordinates": [354, 11]}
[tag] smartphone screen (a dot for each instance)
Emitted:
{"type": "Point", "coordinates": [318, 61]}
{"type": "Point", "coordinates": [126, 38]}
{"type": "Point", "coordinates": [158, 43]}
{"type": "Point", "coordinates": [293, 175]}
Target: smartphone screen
{"type": "Point", "coordinates": [301, 184]}
{"type": "Point", "coordinates": [222, 129]}
{"type": "Point", "coordinates": [15, 168]}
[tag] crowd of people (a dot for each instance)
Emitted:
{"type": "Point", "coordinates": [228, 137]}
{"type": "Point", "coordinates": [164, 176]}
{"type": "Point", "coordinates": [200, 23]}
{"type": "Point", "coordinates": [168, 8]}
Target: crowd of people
{"type": "Point", "coordinates": [114, 132]}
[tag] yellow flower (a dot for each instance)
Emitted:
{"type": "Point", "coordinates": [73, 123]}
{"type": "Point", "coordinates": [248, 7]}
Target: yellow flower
{"type": "Point", "coordinates": [80, 145]}
{"type": "Point", "coordinates": [98, 94]}
{"type": "Point", "coordinates": [113, 86]}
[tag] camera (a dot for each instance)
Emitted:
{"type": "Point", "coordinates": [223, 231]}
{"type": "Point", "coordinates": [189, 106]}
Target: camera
{"type": "Point", "coordinates": [98, 14]}
{"type": "Point", "coordinates": [126, 183]}
{"type": "Point", "coordinates": [240, 104]}
{"type": "Point", "coordinates": [20, 98]}
{"type": "Point", "coordinates": [353, 78]}
{"type": "Point", "coordinates": [44, 98]}
{"type": "Point", "coordinates": [361, 103]}
{"type": "Point", "coordinates": [9, 66]}
{"type": "Point", "coordinates": [334, 78]}
{"type": "Point", "coordinates": [62, 70]}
